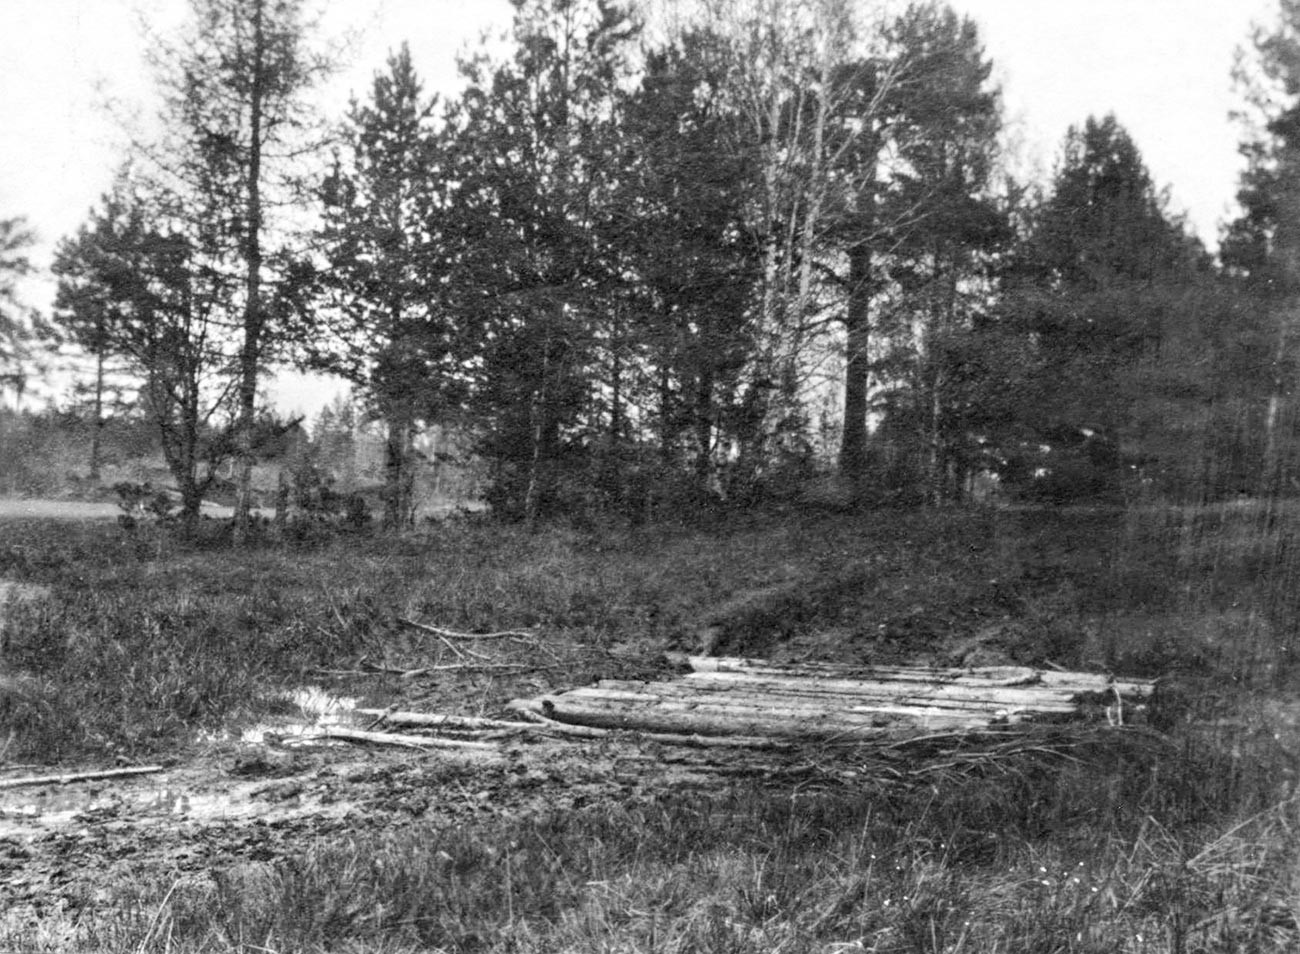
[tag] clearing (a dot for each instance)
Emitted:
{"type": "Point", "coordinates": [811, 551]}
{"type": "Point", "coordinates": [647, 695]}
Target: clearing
{"type": "Point", "coordinates": [236, 674]}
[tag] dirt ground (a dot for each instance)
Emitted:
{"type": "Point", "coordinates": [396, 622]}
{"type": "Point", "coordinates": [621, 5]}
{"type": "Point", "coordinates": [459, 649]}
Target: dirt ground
{"type": "Point", "coordinates": [64, 846]}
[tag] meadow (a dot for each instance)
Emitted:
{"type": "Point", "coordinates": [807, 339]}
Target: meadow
{"type": "Point", "coordinates": [1175, 835]}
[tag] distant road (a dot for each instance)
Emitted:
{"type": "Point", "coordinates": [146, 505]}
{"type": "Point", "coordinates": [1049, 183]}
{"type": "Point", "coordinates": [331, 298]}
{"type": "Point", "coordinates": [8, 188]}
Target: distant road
{"type": "Point", "coordinates": [19, 508]}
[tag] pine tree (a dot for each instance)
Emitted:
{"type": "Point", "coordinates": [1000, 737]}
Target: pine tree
{"type": "Point", "coordinates": [538, 162]}
{"type": "Point", "coordinates": [133, 284]}
{"type": "Point", "coordinates": [683, 238]}
{"type": "Point", "coordinates": [15, 329]}
{"type": "Point", "coordinates": [940, 228]}
{"type": "Point", "coordinates": [1261, 247]}
{"type": "Point", "coordinates": [236, 123]}
{"type": "Point", "coordinates": [1099, 285]}
{"type": "Point", "coordinates": [386, 244]}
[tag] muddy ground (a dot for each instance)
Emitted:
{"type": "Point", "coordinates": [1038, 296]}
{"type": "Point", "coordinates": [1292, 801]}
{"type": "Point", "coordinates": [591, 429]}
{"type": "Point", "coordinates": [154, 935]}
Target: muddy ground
{"type": "Point", "coordinates": [268, 793]}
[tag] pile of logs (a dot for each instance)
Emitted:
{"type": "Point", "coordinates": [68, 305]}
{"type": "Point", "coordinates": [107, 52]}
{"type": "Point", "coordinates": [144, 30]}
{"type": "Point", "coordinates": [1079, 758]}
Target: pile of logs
{"type": "Point", "coordinates": [752, 699]}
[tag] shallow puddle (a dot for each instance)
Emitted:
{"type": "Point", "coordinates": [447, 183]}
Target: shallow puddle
{"type": "Point", "coordinates": [213, 797]}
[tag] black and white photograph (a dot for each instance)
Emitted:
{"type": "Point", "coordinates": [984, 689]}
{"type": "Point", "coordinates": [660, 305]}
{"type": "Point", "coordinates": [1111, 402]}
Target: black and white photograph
{"type": "Point", "coordinates": [650, 476]}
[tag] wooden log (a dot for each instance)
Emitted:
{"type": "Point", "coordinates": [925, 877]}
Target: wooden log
{"type": "Point", "coordinates": [863, 694]}
{"type": "Point", "coordinates": [80, 776]}
{"type": "Point", "coordinates": [757, 711]}
{"type": "Point", "coordinates": [1080, 682]}
{"type": "Point", "coordinates": [651, 695]}
{"type": "Point", "coordinates": [893, 687]}
{"type": "Point", "coordinates": [523, 707]}
{"type": "Point", "coordinates": [871, 696]}
{"type": "Point", "coordinates": [1004, 676]}
{"type": "Point", "coordinates": [989, 675]}
{"type": "Point", "coordinates": [675, 723]}
{"type": "Point", "coordinates": [704, 682]}
{"type": "Point", "coordinates": [679, 721]}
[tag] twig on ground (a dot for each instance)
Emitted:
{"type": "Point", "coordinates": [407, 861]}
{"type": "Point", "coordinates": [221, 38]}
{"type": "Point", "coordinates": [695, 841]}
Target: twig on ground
{"type": "Point", "coordinates": [453, 667]}
{"type": "Point", "coordinates": [461, 652]}
{"type": "Point", "coordinates": [437, 720]}
{"type": "Point", "coordinates": [79, 776]}
{"type": "Point", "coordinates": [518, 635]}
{"type": "Point", "coordinates": [371, 669]}
{"type": "Point", "coordinates": [379, 715]}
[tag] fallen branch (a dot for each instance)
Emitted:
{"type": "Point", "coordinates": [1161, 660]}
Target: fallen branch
{"type": "Point", "coordinates": [371, 669]}
{"type": "Point", "coordinates": [452, 634]}
{"type": "Point", "coordinates": [399, 739]}
{"type": "Point", "coordinates": [454, 667]}
{"type": "Point", "coordinates": [436, 720]}
{"type": "Point", "coordinates": [79, 776]}
{"type": "Point", "coordinates": [461, 653]}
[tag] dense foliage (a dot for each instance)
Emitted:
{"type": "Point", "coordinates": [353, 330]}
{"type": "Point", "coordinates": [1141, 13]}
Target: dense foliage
{"type": "Point", "coordinates": [643, 270]}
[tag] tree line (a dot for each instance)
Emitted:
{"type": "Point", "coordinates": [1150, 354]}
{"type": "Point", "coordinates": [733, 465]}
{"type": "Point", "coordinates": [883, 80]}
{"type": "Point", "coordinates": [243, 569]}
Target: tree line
{"type": "Point", "coordinates": [654, 269]}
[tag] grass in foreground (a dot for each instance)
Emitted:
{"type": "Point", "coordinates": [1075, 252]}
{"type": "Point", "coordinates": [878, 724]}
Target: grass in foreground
{"type": "Point", "coordinates": [1124, 850]}
{"type": "Point", "coordinates": [1184, 846]}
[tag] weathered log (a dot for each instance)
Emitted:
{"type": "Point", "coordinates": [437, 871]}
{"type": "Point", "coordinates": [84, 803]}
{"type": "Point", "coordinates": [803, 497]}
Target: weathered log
{"type": "Point", "coordinates": [881, 714]}
{"type": "Point", "coordinates": [591, 732]}
{"type": "Point", "coordinates": [658, 719]}
{"type": "Point", "coordinates": [833, 693]}
{"type": "Point", "coordinates": [995, 676]}
{"type": "Point", "coordinates": [79, 776]}
{"type": "Point", "coordinates": [756, 711]}
{"type": "Point", "coordinates": [733, 696]}
{"type": "Point", "coordinates": [650, 694]}
{"type": "Point", "coordinates": [989, 675]}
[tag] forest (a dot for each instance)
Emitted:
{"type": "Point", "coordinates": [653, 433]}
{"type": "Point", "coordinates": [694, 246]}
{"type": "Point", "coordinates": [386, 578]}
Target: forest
{"type": "Point", "coordinates": [773, 253]}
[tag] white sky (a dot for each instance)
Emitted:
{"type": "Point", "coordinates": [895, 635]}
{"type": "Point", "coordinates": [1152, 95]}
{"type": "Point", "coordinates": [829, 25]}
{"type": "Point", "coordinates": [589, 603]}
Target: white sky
{"type": "Point", "coordinates": [1162, 66]}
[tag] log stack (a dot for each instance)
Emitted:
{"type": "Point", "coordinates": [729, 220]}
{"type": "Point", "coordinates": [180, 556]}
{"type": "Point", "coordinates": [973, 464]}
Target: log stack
{"type": "Point", "coordinates": [722, 697]}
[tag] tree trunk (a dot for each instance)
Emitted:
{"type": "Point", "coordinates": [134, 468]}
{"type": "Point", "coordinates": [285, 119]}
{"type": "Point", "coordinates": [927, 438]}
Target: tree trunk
{"type": "Point", "coordinates": [250, 351]}
{"type": "Point", "coordinates": [96, 432]}
{"type": "Point", "coordinates": [399, 479]}
{"type": "Point", "coordinates": [938, 459]}
{"type": "Point", "coordinates": [704, 430]}
{"type": "Point", "coordinates": [536, 434]}
{"type": "Point", "coordinates": [857, 371]}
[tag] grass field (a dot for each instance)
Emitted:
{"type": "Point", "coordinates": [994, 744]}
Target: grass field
{"type": "Point", "coordinates": [1177, 836]}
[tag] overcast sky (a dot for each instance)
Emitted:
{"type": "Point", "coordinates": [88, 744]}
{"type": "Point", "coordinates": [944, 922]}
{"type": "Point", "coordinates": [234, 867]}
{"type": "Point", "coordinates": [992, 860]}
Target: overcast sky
{"type": "Point", "coordinates": [1162, 66]}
